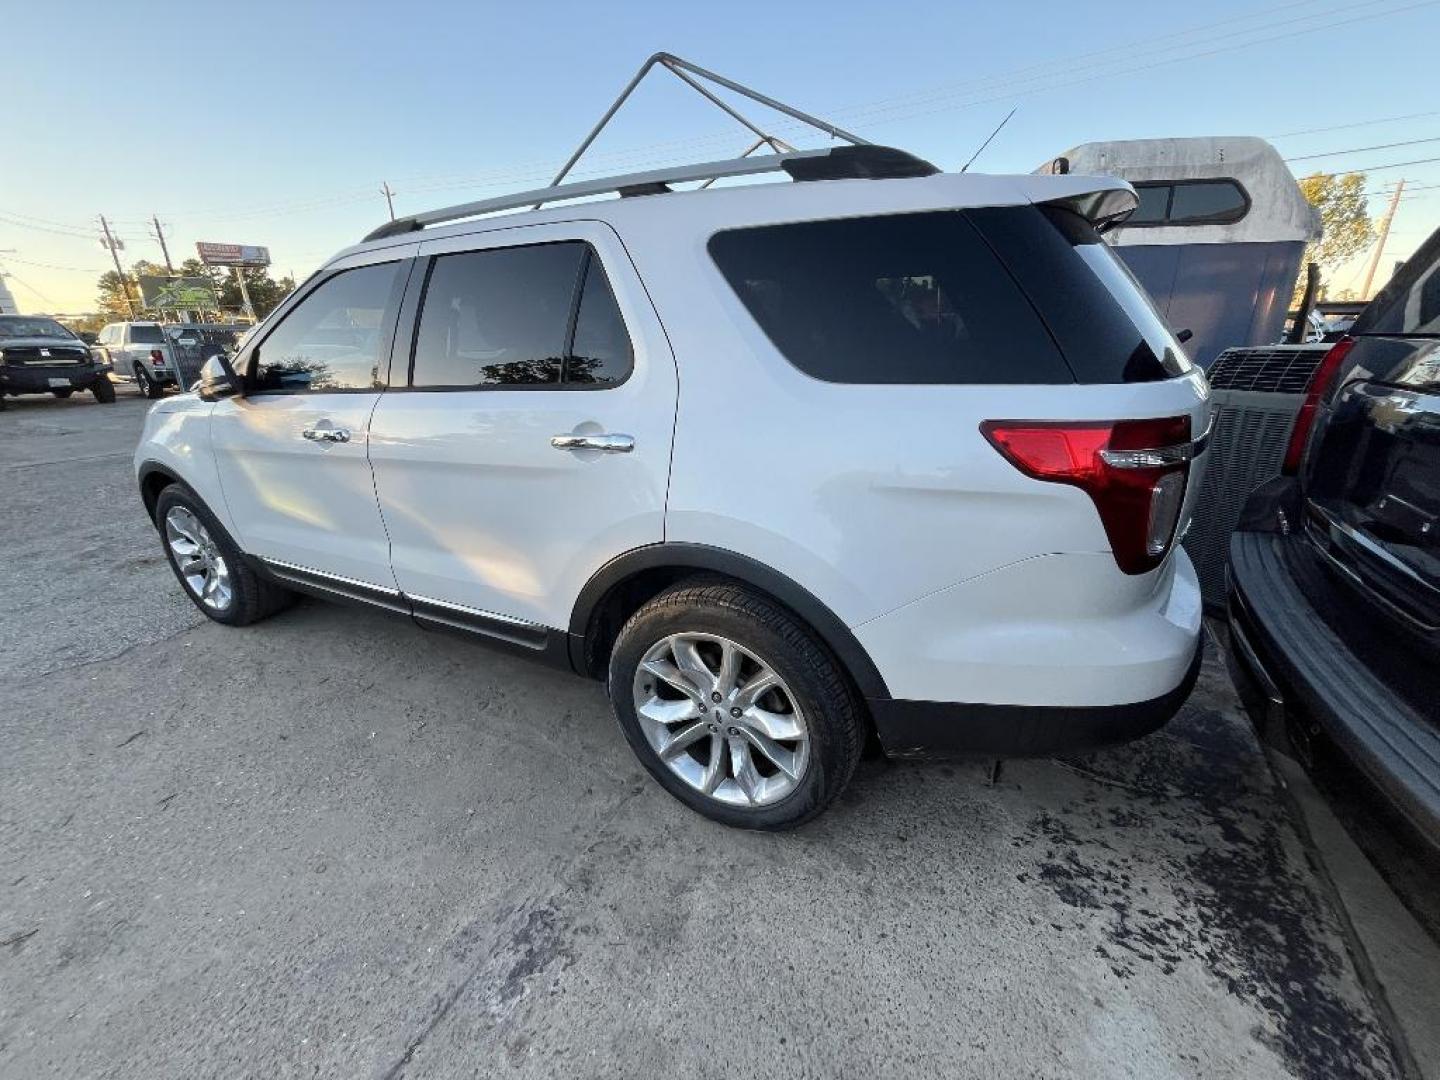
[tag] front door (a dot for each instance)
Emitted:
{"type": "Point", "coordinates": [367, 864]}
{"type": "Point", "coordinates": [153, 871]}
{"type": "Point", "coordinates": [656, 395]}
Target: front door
{"type": "Point", "coordinates": [291, 452]}
{"type": "Point", "coordinates": [533, 443]}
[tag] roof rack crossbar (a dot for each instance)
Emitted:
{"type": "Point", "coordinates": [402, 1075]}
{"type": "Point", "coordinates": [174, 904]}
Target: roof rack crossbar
{"type": "Point", "coordinates": [680, 67]}
{"type": "Point", "coordinates": [710, 170]}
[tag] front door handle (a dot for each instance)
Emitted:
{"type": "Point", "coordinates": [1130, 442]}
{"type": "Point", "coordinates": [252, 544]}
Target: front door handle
{"type": "Point", "coordinates": [609, 444]}
{"type": "Point", "coordinates": [326, 434]}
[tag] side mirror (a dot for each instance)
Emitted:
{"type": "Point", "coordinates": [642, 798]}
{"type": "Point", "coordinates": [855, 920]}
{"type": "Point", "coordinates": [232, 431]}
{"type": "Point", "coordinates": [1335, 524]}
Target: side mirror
{"type": "Point", "coordinates": [1185, 335]}
{"type": "Point", "coordinates": [217, 379]}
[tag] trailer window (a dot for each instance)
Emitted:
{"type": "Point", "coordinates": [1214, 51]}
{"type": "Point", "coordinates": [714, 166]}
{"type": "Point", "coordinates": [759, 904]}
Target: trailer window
{"type": "Point", "coordinates": [1189, 202]}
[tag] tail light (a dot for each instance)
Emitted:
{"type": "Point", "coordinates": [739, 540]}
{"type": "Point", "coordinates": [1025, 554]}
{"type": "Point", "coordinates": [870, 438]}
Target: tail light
{"type": "Point", "coordinates": [157, 358]}
{"type": "Point", "coordinates": [1320, 382]}
{"type": "Point", "coordinates": [1134, 471]}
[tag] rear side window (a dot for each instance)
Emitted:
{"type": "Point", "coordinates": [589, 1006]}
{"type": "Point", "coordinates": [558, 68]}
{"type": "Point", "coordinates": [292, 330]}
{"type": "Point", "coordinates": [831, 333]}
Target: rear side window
{"type": "Point", "coordinates": [146, 335]}
{"type": "Point", "coordinates": [498, 317]}
{"type": "Point", "coordinates": [1105, 323]}
{"type": "Point", "coordinates": [904, 298]}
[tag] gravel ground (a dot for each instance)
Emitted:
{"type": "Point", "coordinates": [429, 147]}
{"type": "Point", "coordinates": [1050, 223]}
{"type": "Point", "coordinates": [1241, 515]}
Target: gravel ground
{"type": "Point", "coordinates": [334, 845]}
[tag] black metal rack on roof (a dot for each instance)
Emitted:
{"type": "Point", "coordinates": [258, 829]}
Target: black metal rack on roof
{"type": "Point", "coordinates": [859, 160]}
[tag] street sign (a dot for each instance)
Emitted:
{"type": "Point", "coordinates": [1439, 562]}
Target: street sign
{"type": "Point", "coordinates": [179, 293]}
{"type": "Point", "coordinates": [232, 254]}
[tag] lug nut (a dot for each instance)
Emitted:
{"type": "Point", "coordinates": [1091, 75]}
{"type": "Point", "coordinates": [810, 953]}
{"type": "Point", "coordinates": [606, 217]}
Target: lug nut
{"type": "Point", "coordinates": [734, 731]}
{"type": "Point", "coordinates": [715, 696]}
{"type": "Point", "coordinates": [735, 713]}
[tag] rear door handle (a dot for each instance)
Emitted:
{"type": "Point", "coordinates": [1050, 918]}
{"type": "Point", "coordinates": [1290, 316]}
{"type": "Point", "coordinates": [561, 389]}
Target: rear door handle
{"type": "Point", "coordinates": [326, 434]}
{"type": "Point", "coordinates": [609, 444]}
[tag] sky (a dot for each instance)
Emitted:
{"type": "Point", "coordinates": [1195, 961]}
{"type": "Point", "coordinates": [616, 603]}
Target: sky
{"type": "Point", "coordinates": [276, 123]}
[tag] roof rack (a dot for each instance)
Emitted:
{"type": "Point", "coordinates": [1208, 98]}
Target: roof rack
{"type": "Point", "coordinates": [860, 159]}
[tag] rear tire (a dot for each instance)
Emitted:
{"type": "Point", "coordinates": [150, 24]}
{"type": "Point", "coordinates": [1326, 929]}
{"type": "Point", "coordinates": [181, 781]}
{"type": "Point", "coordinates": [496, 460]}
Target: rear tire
{"type": "Point", "coordinates": [63, 394]}
{"type": "Point", "coordinates": [104, 390]}
{"type": "Point", "coordinates": [148, 386]}
{"type": "Point", "coordinates": [769, 760]}
{"type": "Point", "coordinates": [184, 521]}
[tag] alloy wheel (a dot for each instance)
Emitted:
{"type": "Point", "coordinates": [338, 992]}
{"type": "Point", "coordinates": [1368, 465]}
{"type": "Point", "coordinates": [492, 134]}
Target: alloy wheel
{"type": "Point", "coordinates": [721, 719]}
{"type": "Point", "coordinates": [201, 564]}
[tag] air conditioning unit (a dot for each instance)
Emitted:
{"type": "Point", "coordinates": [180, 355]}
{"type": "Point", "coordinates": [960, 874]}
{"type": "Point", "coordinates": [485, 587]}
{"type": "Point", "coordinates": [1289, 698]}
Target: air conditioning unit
{"type": "Point", "coordinates": [1255, 393]}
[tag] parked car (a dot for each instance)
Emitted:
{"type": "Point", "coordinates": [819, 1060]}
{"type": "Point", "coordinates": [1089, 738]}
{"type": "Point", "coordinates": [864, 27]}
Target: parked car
{"type": "Point", "coordinates": [788, 466]}
{"type": "Point", "coordinates": [139, 351]}
{"type": "Point", "coordinates": [39, 356]}
{"type": "Point", "coordinates": [1334, 603]}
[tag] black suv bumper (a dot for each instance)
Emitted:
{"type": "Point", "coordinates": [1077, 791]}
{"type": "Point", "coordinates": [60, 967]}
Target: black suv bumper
{"type": "Point", "coordinates": [42, 378]}
{"type": "Point", "coordinates": [1286, 658]}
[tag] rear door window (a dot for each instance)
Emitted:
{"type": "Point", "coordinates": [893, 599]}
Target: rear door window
{"type": "Point", "coordinates": [904, 298]}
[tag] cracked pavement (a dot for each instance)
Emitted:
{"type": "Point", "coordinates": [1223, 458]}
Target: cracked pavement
{"type": "Point", "coordinates": [334, 845]}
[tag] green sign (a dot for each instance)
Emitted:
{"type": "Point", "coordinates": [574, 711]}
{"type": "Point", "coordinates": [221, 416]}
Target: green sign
{"type": "Point", "coordinates": [177, 292]}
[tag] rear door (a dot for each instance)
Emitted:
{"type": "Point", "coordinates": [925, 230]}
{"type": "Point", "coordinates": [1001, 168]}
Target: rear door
{"type": "Point", "coordinates": [532, 444]}
{"type": "Point", "coordinates": [1372, 475]}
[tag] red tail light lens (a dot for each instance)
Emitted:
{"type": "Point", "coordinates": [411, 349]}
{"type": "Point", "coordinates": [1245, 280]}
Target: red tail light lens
{"type": "Point", "coordinates": [157, 357]}
{"type": "Point", "coordinates": [1320, 382]}
{"type": "Point", "coordinates": [1134, 471]}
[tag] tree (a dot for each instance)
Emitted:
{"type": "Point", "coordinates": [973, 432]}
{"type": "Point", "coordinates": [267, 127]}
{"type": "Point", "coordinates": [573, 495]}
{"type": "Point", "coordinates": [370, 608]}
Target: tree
{"type": "Point", "coordinates": [112, 291]}
{"type": "Point", "coordinates": [1345, 216]}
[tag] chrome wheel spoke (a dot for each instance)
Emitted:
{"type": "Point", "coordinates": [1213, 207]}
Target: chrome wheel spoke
{"type": "Point", "coordinates": [683, 739]}
{"type": "Point", "coordinates": [196, 557]}
{"type": "Point", "coordinates": [668, 673]}
{"type": "Point", "coordinates": [697, 697]}
{"type": "Point", "coordinates": [782, 759]}
{"type": "Point", "coordinates": [714, 773]}
{"type": "Point", "coordinates": [773, 725]}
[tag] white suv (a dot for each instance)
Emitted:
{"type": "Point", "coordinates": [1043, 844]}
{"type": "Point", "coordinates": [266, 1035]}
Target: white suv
{"type": "Point", "coordinates": [793, 467]}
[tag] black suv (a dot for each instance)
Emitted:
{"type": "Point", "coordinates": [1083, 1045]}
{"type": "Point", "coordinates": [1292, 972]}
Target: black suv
{"type": "Point", "coordinates": [39, 356]}
{"type": "Point", "coordinates": [1334, 595]}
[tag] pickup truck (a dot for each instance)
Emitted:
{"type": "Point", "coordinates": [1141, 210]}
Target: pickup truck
{"type": "Point", "coordinates": [39, 356]}
{"type": "Point", "coordinates": [139, 352]}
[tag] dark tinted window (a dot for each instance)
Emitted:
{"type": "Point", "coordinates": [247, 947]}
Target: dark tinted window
{"type": "Point", "coordinates": [1410, 302]}
{"type": "Point", "coordinates": [1154, 204]}
{"type": "Point", "coordinates": [601, 352]}
{"type": "Point", "coordinates": [499, 317]}
{"type": "Point", "coordinates": [906, 298]}
{"type": "Point", "coordinates": [1196, 202]}
{"type": "Point", "coordinates": [334, 338]}
{"type": "Point", "coordinates": [147, 335]}
{"type": "Point", "coordinates": [1105, 323]}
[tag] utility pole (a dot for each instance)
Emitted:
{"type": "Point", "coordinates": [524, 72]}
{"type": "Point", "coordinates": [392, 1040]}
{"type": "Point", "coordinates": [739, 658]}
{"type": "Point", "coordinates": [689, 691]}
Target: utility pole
{"type": "Point", "coordinates": [1380, 244]}
{"type": "Point", "coordinates": [389, 197]}
{"type": "Point", "coordinates": [160, 235]}
{"type": "Point", "coordinates": [244, 292]}
{"type": "Point", "coordinates": [112, 245]}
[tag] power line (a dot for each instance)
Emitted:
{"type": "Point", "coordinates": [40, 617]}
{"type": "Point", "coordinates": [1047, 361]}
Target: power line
{"type": "Point", "coordinates": [1364, 149]}
{"type": "Point", "coordinates": [1373, 168]}
{"type": "Point", "coordinates": [1354, 124]}
{"type": "Point", "coordinates": [53, 266]}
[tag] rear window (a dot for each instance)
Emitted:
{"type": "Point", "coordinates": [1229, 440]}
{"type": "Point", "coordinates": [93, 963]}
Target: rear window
{"type": "Point", "coordinates": [147, 335]}
{"type": "Point", "coordinates": [1108, 329]}
{"type": "Point", "coordinates": [904, 298]}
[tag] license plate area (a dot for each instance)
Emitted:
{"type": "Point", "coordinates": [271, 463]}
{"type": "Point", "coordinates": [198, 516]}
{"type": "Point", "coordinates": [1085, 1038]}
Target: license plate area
{"type": "Point", "coordinates": [59, 383]}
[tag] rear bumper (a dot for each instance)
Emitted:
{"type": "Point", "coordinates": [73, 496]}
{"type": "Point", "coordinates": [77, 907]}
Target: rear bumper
{"type": "Point", "coordinates": [35, 379]}
{"type": "Point", "coordinates": [940, 729]}
{"type": "Point", "coordinates": [1287, 659]}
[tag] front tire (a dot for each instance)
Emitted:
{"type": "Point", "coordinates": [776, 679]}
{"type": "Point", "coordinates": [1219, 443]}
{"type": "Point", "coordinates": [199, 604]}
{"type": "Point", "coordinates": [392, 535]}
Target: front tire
{"type": "Point", "coordinates": [735, 706]}
{"type": "Point", "coordinates": [104, 390]}
{"type": "Point", "coordinates": [210, 568]}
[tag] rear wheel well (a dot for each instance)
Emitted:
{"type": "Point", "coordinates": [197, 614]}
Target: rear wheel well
{"type": "Point", "coordinates": [630, 594]}
{"type": "Point", "coordinates": [151, 485]}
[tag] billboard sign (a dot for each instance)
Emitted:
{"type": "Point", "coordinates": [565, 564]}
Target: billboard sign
{"type": "Point", "coordinates": [232, 254]}
{"type": "Point", "coordinates": [177, 293]}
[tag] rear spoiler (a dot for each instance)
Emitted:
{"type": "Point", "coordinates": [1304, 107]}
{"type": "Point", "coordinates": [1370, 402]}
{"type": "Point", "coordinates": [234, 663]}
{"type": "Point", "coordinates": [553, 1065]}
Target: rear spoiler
{"type": "Point", "coordinates": [1104, 201]}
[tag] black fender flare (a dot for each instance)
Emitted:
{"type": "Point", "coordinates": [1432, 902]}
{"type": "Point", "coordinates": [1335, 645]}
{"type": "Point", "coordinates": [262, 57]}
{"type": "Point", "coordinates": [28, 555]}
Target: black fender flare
{"type": "Point", "coordinates": [149, 468]}
{"type": "Point", "coordinates": [701, 557]}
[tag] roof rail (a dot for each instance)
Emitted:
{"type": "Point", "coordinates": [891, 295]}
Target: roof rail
{"type": "Point", "coordinates": [860, 159]}
{"type": "Point", "coordinates": [837, 163]}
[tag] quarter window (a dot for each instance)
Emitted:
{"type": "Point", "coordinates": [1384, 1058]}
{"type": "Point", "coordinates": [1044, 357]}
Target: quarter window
{"type": "Point", "coordinates": [334, 338]}
{"type": "Point", "coordinates": [601, 353]}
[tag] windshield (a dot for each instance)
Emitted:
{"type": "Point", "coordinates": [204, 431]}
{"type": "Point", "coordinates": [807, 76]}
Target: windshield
{"type": "Point", "coordinates": [16, 326]}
